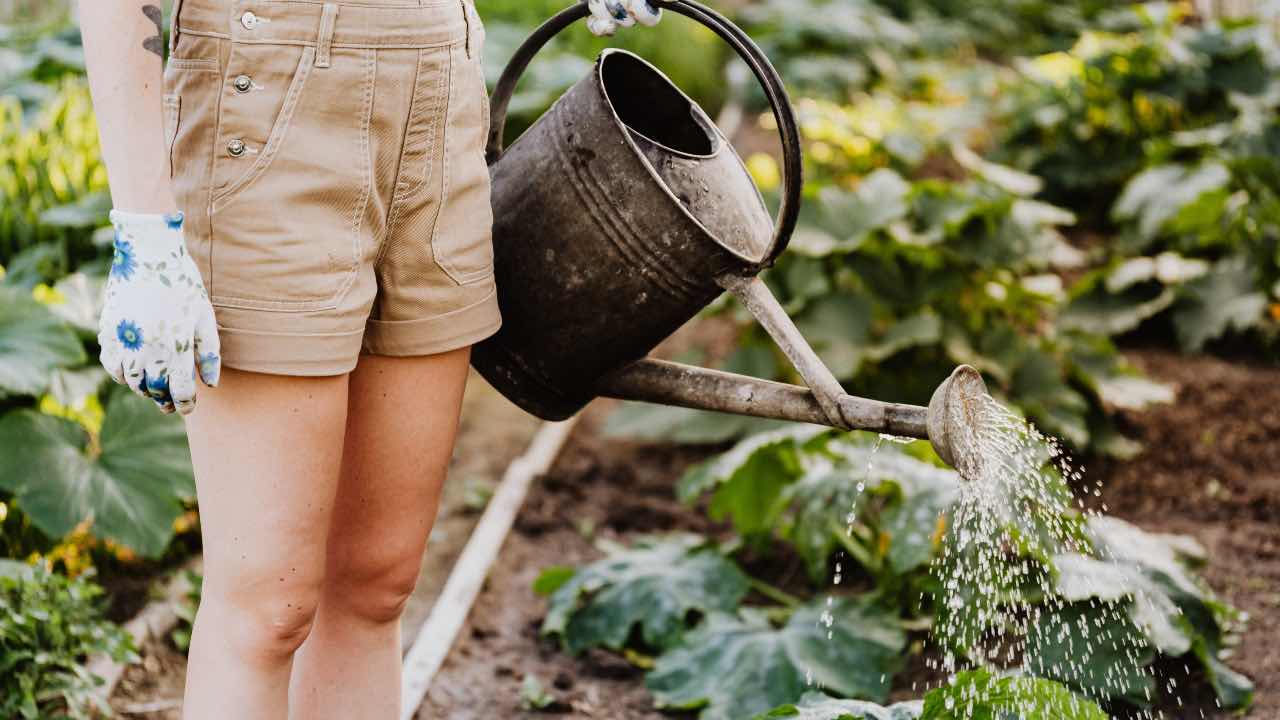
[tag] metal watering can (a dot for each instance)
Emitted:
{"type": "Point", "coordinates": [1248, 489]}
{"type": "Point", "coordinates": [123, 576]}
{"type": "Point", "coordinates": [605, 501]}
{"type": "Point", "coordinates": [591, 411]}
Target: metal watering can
{"type": "Point", "coordinates": [620, 214]}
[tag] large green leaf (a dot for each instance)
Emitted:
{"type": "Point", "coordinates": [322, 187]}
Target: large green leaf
{"type": "Point", "coordinates": [971, 695]}
{"type": "Point", "coordinates": [736, 666]}
{"type": "Point", "coordinates": [979, 695]}
{"type": "Point", "coordinates": [1157, 195]}
{"type": "Point", "coordinates": [816, 706]}
{"type": "Point", "coordinates": [1092, 646]}
{"type": "Point", "coordinates": [1101, 310]}
{"type": "Point", "coordinates": [655, 585]}
{"type": "Point", "coordinates": [33, 342]}
{"type": "Point", "coordinates": [809, 485]}
{"type": "Point", "coordinates": [77, 299]}
{"type": "Point", "coordinates": [129, 480]}
{"type": "Point", "coordinates": [899, 498]}
{"type": "Point", "coordinates": [748, 480]}
{"type": "Point", "coordinates": [1141, 589]}
{"type": "Point", "coordinates": [839, 327]}
{"type": "Point", "coordinates": [1227, 298]}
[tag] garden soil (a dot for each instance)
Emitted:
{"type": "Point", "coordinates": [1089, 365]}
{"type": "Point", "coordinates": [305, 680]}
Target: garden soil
{"type": "Point", "coordinates": [1211, 469]}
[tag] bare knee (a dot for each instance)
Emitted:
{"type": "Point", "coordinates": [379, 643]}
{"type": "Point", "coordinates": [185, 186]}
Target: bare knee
{"type": "Point", "coordinates": [375, 586]}
{"type": "Point", "coordinates": [263, 623]}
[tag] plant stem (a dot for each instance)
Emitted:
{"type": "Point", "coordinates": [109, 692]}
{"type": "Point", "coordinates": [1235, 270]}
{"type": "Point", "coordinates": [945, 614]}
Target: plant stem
{"type": "Point", "coordinates": [773, 593]}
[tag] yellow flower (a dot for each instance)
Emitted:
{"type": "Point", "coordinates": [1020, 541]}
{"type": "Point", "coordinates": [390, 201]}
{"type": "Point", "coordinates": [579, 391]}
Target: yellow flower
{"type": "Point", "coordinates": [764, 169]}
{"type": "Point", "coordinates": [1057, 68]}
{"type": "Point", "coordinates": [47, 295]}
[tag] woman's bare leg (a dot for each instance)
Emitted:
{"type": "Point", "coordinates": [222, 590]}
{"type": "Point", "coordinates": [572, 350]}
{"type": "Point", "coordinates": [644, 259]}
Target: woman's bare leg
{"type": "Point", "coordinates": [267, 452]}
{"type": "Point", "coordinates": [401, 422]}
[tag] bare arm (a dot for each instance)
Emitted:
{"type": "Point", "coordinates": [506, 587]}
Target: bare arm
{"type": "Point", "coordinates": [124, 56]}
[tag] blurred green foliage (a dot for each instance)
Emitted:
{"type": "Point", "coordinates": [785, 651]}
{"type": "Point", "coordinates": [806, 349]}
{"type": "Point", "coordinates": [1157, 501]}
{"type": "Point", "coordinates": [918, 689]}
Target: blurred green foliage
{"type": "Point", "coordinates": [49, 626]}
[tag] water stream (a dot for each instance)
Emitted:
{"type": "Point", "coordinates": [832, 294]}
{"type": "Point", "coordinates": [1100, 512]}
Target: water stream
{"type": "Point", "coordinates": [995, 603]}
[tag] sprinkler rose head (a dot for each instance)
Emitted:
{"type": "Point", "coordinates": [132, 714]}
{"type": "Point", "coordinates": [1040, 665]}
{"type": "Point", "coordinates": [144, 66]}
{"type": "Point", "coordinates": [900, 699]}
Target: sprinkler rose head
{"type": "Point", "coordinates": [957, 411]}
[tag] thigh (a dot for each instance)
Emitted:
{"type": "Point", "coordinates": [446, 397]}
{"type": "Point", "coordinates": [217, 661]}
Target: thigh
{"type": "Point", "coordinates": [267, 451]}
{"type": "Point", "coordinates": [402, 418]}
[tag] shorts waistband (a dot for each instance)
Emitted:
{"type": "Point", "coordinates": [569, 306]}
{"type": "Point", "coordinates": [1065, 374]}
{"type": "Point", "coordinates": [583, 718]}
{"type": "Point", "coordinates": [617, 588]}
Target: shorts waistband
{"type": "Point", "coordinates": [370, 24]}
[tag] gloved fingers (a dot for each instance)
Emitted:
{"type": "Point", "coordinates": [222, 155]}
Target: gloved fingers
{"type": "Point", "coordinates": [135, 378]}
{"type": "Point", "coordinates": [182, 384]}
{"type": "Point", "coordinates": [645, 12]}
{"type": "Point", "coordinates": [605, 18]}
{"type": "Point", "coordinates": [157, 388]}
{"type": "Point", "coordinates": [111, 362]}
{"type": "Point", "coordinates": [208, 347]}
{"type": "Point", "coordinates": [601, 28]}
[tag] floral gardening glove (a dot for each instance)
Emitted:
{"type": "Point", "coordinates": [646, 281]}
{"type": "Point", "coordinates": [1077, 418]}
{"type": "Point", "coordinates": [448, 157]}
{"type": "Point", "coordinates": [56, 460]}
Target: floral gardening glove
{"type": "Point", "coordinates": [157, 329]}
{"type": "Point", "coordinates": [609, 15]}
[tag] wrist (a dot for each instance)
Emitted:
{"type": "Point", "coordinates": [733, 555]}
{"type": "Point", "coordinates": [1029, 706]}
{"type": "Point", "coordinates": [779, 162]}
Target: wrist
{"type": "Point", "coordinates": [148, 228]}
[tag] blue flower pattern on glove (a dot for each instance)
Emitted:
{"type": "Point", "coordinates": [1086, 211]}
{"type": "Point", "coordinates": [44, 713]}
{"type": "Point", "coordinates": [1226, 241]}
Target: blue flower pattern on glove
{"type": "Point", "coordinates": [129, 335]}
{"type": "Point", "coordinates": [157, 331]}
{"type": "Point", "coordinates": [210, 367]}
{"type": "Point", "coordinates": [123, 263]}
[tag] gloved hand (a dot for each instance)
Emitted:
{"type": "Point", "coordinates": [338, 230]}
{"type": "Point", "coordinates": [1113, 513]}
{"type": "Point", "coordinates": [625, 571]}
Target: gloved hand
{"type": "Point", "coordinates": [157, 329]}
{"type": "Point", "coordinates": [609, 15]}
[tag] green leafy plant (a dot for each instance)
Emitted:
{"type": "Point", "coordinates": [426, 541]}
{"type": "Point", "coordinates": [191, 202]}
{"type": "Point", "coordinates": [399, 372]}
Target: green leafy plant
{"type": "Point", "coordinates": [734, 666]}
{"type": "Point", "coordinates": [186, 610]}
{"type": "Point", "coordinates": [971, 695]}
{"type": "Point", "coordinates": [846, 502]}
{"type": "Point", "coordinates": [1087, 116]}
{"type": "Point", "coordinates": [129, 477]}
{"type": "Point", "coordinates": [49, 625]}
{"type": "Point", "coordinates": [654, 586]}
{"type": "Point", "coordinates": [821, 492]}
{"type": "Point", "coordinates": [534, 696]}
{"type": "Point", "coordinates": [52, 181]}
{"type": "Point", "coordinates": [1161, 608]}
{"type": "Point", "coordinates": [33, 343]}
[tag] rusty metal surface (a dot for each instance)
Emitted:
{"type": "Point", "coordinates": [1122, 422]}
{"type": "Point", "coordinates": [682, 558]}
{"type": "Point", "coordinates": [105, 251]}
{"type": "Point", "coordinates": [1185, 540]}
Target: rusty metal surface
{"type": "Point", "coordinates": [755, 296]}
{"type": "Point", "coordinates": [596, 260]}
{"type": "Point", "coordinates": [670, 383]}
{"type": "Point", "coordinates": [958, 412]}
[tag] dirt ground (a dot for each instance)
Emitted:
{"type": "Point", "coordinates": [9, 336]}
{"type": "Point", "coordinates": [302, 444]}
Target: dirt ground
{"type": "Point", "coordinates": [1211, 469]}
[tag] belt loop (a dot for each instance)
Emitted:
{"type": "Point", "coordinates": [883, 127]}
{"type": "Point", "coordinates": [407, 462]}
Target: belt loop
{"type": "Point", "coordinates": [173, 25]}
{"type": "Point", "coordinates": [324, 42]}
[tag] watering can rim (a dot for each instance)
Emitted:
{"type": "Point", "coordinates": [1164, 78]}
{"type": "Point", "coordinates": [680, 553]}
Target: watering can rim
{"type": "Point", "coordinates": [747, 50]}
{"type": "Point", "coordinates": [719, 142]}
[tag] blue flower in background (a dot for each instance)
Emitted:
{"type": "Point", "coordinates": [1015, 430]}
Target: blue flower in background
{"type": "Point", "coordinates": [174, 220]}
{"type": "Point", "coordinates": [129, 335]}
{"type": "Point", "coordinates": [209, 368]}
{"type": "Point", "coordinates": [123, 263]}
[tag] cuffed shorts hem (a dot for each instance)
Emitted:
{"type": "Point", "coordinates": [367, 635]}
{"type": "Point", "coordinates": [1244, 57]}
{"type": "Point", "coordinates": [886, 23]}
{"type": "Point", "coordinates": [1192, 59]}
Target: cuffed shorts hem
{"type": "Point", "coordinates": [430, 336]}
{"type": "Point", "coordinates": [301, 354]}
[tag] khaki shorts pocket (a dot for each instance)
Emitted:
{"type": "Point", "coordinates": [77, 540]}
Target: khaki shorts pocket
{"type": "Point", "coordinates": [261, 92]}
{"type": "Point", "coordinates": [462, 240]}
{"type": "Point", "coordinates": [292, 178]}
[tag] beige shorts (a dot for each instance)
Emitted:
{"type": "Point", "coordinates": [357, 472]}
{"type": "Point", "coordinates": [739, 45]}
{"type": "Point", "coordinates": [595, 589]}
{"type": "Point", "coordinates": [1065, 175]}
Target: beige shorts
{"type": "Point", "coordinates": [329, 158]}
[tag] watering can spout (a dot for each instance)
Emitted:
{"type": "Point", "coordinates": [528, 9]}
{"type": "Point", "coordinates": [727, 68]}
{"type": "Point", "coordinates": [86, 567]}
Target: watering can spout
{"type": "Point", "coordinates": [951, 422]}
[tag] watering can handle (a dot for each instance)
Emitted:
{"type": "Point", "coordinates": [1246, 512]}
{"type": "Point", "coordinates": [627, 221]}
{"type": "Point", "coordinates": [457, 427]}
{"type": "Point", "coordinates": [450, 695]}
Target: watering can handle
{"type": "Point", "coordinates": [751, 54]}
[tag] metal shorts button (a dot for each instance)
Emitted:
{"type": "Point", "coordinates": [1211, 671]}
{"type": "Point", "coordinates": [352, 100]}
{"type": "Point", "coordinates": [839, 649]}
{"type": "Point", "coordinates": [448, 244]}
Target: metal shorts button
{"type": "Point", "coordinates": [249, 20]}
{"type": "Point", "coordinates": [242, 83]}
{"type": "Point", "coordinates": [235, 147]}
